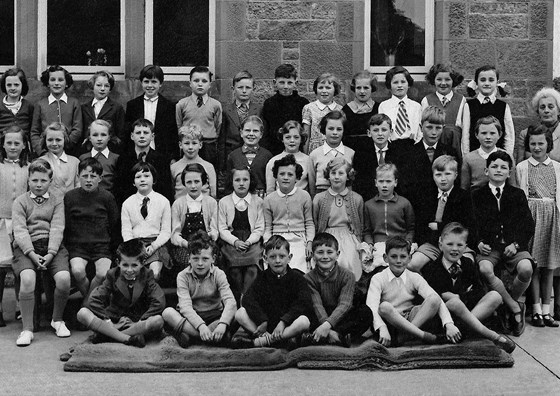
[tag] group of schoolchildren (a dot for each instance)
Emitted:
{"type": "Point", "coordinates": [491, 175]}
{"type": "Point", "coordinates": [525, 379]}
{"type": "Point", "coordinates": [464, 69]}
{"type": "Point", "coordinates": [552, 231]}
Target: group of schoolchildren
{"type": "Point", "coordinates": [333, 221]}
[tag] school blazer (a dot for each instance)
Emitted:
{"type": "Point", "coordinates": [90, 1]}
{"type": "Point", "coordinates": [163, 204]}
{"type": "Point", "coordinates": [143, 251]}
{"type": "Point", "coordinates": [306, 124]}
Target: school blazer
{"type": "Point", "coordinates": [236, 159]}
{"type": "Point", "coordinates": [112, 300]}
{"type": "Point", "coordinates": [230, 137]}
{"type": "Point", "coordinates": [165, 131]}
{"type": "Point", "coordinates": [458, 208]}
{"type": "Point", "coordinates": [439, 278]}
{"type": "Point", "coordinates": [365, 165]}
{"type": "Point", "coordinates": [522, 173]}
{"type": "Point", "coordinates": [226, 214]}
{"type": "Point", "coordinates": [514, 216]}
{"type": "Point", "coordinates": [111, 111]}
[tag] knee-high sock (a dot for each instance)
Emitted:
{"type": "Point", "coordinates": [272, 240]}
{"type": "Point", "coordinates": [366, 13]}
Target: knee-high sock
{"type": "Point", "coordinates": [60, 300]}
{"type": "Point", "coordinates": [140, 327]}
{"type": "Point", "coordinates": [27, 305]}
{"type": "Point", "coordinates": [518, 288]}
{"type": "Point", "coordinates": [107, 329]}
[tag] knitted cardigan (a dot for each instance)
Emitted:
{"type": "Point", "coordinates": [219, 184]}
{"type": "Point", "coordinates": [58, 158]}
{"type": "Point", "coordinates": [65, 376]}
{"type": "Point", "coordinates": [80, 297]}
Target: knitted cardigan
{"type": "Point", "coordinates": [354, 209]}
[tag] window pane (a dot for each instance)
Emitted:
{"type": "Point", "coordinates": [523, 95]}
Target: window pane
{"type": "Point", "coordinates": [180, 32]}
{"type": "Point", "coordinates": [398, 32]}
{"type": "Point", "coordinates": [7, 32]}
{"type": "Point", "coordinates": [76, 27]}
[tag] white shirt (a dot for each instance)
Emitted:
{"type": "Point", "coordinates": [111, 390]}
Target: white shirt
{"type": "Point", "coordinates": [236, 199]}
{"type": "Point", "coordinates": [447, 264]}
{"type": "Point", "coordinates": [194, 204]}
{"type": "Point", "coordinates": [63, 98]}
{"type": "Point", "coordinates": [440, 192]}
{"type": "Point", "coordinates": [333, 150]}
{"type": "Point", "coordinates": [322, 106]}
{"type": "Point", "coordinates": [98, 105]}
{"type": "Point", "coordinates": [105, 152]}
{"type": "Point", "coordinates": [45, 195]}
{"type": "Point", "coordinates": [63, 158]}
{"type": "Point", "coordinates": [361, 107]}
{"type": "Point", "coordinates": [384, 150]}
{"type": "Point", "coordinates": [150, 109]}
{"type": "Point", "coordinates": [426, 145]}
{"type": "Point", "coordinates": [484, 154]}
{"type": "Point", "coordinates": [390, 107]}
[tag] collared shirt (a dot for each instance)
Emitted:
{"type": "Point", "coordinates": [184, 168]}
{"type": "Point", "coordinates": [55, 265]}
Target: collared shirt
{"type": "Point", "coordinates": [63, 158]}
{"type": "Point", "coordinates": [236, 200]}
{"type": "Point", "coordinates": [494, 189]}
{"type": "Point", "coordinates": [63, 98]}
{"type": "Point", "coordinates": [343, 193]}
{"type": "Point", "coordinates": [384, 150]}
{"type": "Point", "coordinates": [391, 106]}
{"type": "Point", "coordinates": [142, 151]}
{"type": "Point", "coordinates": [426, 146]}
{"type": "Point", "coordinates": [105, 152]}
{"type": "Point", "coordinates": [447, 264]}
{"type": "Point", "coordinates": [322, 106]}
{"type": "Point", "coordinates": [45, 195]}
{"type": "Point", "coordinates": [194, 204]}
{"type": "Point", "coordinates": [13, 107]}
{"type": "Point", "coordinates": [484, 154]}
{"type": "Point", "coordinates": [361, 107]}
{"type": "Point", "coordinates": [238, 104]}
{"type": "Point", "coordinates": [481, 97]}
{"type": "Point", "coordinates": [281, 194]}
{"type": "Point", "coordinates": [204, 98]}
{"type": "Point", "coordinates": [448, 192]}
{"type": "Point", "coordinates": [98, 105]}
{"type": "Point", "coordinates": [328, 149]}
{"type": "Point", "coordinates": [448, 97]}
{"type": "Point", "coordinates": [534, 162]}
{"type": "Point", "coordinates": [150, 109]}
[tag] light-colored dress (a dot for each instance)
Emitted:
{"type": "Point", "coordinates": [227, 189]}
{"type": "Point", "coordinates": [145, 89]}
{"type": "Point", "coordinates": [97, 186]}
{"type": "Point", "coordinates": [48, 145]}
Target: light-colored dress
{"type": "Point", "coordinates": [312, 114]}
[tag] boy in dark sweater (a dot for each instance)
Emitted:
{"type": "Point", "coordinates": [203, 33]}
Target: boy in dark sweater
{"type": "Point", "coordinates": [277, 307]}
{"type": "Point", "coordinates": [91, 218]}
{"type": "Point", "coordinates": [284, 106]}
{"type": "Point", "coordinates": [332, 291]}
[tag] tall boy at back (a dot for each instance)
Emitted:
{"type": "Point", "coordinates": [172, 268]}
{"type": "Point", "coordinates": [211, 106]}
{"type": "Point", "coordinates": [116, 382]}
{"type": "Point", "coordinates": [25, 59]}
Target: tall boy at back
{"type": "Point", "coordinates": [505, 227]}
{"type": "Point", "coordinates": [202, 110]}
{"type": "Point", "coordinates": [284, 106]}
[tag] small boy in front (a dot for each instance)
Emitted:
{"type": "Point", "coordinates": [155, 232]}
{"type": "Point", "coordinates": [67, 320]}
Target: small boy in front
{"type": "Point", "coordinates": [284, 106]}
{"type": "Point", "coordinates": [190, 143]}
{"type": "Point", "coordinates": [200, 109]}
{"type": "Point", "coordinates": [332, 291]}
{"type": "Point", "coordinates": [127, 306]}
{"type": "Point", "coordinates": [91, 218]}
{"type": "Point", "coordinates": [206, 303]}
{"type": "Point", "coordinates": [504, 226]}
{"type": "Point", "coordinates": [391, 298]}
{"type": "Point", "coordinates": [456, 279]}
{"type": "Point", "coordinates": [277, 307]}
{"type": "Point", "coordinates": [38, 226]}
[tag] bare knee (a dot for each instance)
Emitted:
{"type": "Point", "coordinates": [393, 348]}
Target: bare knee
{"type": "Point", "coordinates": [168, 313]}
{"type": "Point", "coordinates": [62, 280]}
{"type": "Point", "coordinates": [454, 305]}
{"type": "Point", "coordinates": [385, 309]}
{"type": "Point", "coordinates": [27, 278]}
{"type": "Point", "coordinates": [433, 301]}
{"type": "Point", "coordinates": [417, 262]}
{"type": "Point", "coordinates": [155, 322]}
{"type": "Point", "coordinates": [486, 269]}
{"type": "Point", "coordinates": [494, 298]}
{"type": "Point", "coordinates": [84, 316]}
{"type": "Point", "coordinates": [524, 270]}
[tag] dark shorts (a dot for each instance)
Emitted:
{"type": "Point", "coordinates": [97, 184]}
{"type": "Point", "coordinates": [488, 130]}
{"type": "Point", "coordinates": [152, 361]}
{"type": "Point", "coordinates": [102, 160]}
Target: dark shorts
{"type": "Point", "coordinates": [89, 251]}
{"type": "Point", "coordinates": [58, 264]}
{"type": "Point", "coordinates": [497, 257]}
{"type": "Point", "coordinates": [433, 325]}
{"type": "Point", "coordinates": [161, 254]}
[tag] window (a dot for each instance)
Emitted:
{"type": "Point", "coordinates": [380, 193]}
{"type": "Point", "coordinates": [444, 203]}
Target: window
{"type": "Point", "coordinates": [180, 35]}
{"type": "Point", "coordinates": [399, 32]}
{"type": "Point", "coordinates": [82, 35]}
{"type": "Point", "coordinates": [7, 33]}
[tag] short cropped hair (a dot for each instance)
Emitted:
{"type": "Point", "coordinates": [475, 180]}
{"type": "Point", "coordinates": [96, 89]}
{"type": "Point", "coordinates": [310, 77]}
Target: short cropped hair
{"type": "Point", "coordinates": [332, 115]}
{"type": "Point", "coordinates": [285, 71]}
{"type": "Point", "coordinates": [40, 165]}
{"type": "Point", "coordinates": [102, 73]}
{"type": "Point", "coordinates": [454, 228]}
{"type": "Point", "coordinates": [55, 126]}
{"type": "Point", "coordinates": [536, 131]}
{"type": "Point", "coordinates": [201, 69]}
{"type": "Point", "coordinates": [456, 77]}
{"type": "Point", "coordinates": [324, 239]}
{"type": "Point", "coordinates": [144, 167]}
{"type": "Point", "coordinates": [196, 168]}
{"type": "Point", "coordinates": [545, 92]}
{"type": "Point", "coordinates": [200, 240]}
{"type": "Point", "coordinates": [287, 160]}
{"type": "Point", "coordinates": [93, 163]}
{"type": "Point", "coordinates": [133, 248]}
{"type": "Point", "coordinates": [486, 68]}
{"type": "Point", "coordinates": [499, 155]}
{"type": "Point", "coordinates": [327, 77]}
{"type": "Point", "coordinates": [190, 131]}
{"type": "Point", "coordinates": [392, 72]}
{"type": "Point", "coordinates": [397, 242]}
{"type": "Point", "coordinates": [152, 71]}
{"type": "Point", "coordinates": [276, 242]}
{"type": "Point", "coordinates": [433, 115]}
{"type": "Point", "coordinates": [103, 123]}
{"type": "Point", "coordinates": [255, 120]}
{"type": "Point", "coordinates": [240, 168]}
{"type": "Point", "coordinates": [242, 75]}
{"type": "Point", "coordinates": [379, 119]}
{"type": "Point", "coordinates": [54, 68]}
{"type": "Point", "coordinates": [364, 75]}
{"type": "Point", "coordinates": [24, 155]}
{"type": "Point", "coordinates": [387, 167]}
{"type": "Point", "coordinates": [15, 72]}
{"type": "Point", "coordinates": [340, 162]}
{"type": "Point", "coordinates": [142, 122]}
{"type": "Point", "coordinates": [289, 125]}
{"type": "Point", "coordinates": [488, 120]}
{"type": "Point", "coordinates": [443, 161]}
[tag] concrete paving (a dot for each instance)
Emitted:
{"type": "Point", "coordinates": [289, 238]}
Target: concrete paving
{"type": "Point", "coordinates": [37, 370]}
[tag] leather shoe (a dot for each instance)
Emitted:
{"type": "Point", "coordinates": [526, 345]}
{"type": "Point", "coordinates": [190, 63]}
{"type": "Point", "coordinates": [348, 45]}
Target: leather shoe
{"type": "Point", "coordinates": [537, 320]}
{"type": "Point", "coordinates": [306, 340]}
{"type": "Point", "coordinates": [517, 328]}
{"type": "Point", "coordinates": [507, 344]}
{"type": "Point", "coordinates": [548, 321]}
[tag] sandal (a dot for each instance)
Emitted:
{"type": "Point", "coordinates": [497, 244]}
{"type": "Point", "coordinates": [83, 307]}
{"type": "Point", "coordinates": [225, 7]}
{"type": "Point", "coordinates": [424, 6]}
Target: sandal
{"type": "Point", "coordinates": [537, 320]}
{"type": "Point", "coordinates": [548, 321]}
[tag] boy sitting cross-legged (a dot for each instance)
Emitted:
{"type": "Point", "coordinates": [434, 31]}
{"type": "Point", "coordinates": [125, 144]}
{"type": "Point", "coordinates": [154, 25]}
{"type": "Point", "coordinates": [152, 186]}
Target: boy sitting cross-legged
{"type": "Point", "coordinates": [128, 304]}
{"type": "Point", "coordinates": [277, 306]}
{"type": "Point", "coordinates": [391, 295]}
{"type": "Point", "coordinates": [332, 290]}
{"type": "Point", "coordinates": [456, 279]}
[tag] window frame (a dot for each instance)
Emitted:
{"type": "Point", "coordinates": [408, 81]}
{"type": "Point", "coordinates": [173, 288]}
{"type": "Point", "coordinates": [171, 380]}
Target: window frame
{"type": "Point", "coordinates": [178, 73]}
{"type": "Point", "coordinates": [79, 72]}
{"type": "Point", "coordinates": [429, 42]}
{"type": "Point", "coordinates": [3, 68]}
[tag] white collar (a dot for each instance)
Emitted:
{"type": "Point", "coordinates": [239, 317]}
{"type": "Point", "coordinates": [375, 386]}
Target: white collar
{"type": "Point", "coordinates": [385, 148]}
{"type": "Point", "coordinates": [357, 106]}
{"type": "Point", "coordinates": [141, 151]}
{"type": "Point", "coordinates": [493, 188]}
{"type": "Point", "coordinates": [198, 199]}
{"type": "Point", "coordinates": [288, 194]}
{"type": "Point", "coordinates": [63, 98]}
{"type": "Point", "coordinates": [322, 106]}
{"type": "Point", "coordinates": [534, 162]}
{"type": "Point", "coordinates": [204, 98]}
{"type": "Point", "coordinates": [105, 152]}
{"type": "Point", "coordinates": [153, 100]}
{"type": "Point", "coordinates": [141, 197]}
{"type": "Point", "coordinates": [45, 195]}
{"type": "Point", "coordinates": [448, 96]}
{"type": "Point", "coordinates": [63, 157]}
{"type": "Point", "coordinates": [484, 154]}
{"type": "Point", "coordinates": [327, 149]}
{"type": "Point", "coordinates": [426, 146]}
{"type": "Point", "coordinates": [397, 100]}
{"type": "Point", "coordinates": [343, 193]}
{"type": "Point", "coordinates": [392, 276]}
{"type": "Point", "coordinates": [448, 192]}
{"type": "Point", "coordinates": [481, 97]}
{"type": "Point", "coordinates": [236, 198]}
{"type": "Point", "coordinates": [238, 103]}
{"type": "Point", "coordinates": [447, 264]}
{"type": "Point", "coordinates": [101, 102]}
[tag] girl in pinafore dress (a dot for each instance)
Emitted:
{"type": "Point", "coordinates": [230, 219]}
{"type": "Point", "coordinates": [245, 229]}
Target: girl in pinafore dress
{"type": "Point", "coordinates": [13, 183]}
{"type": "Point", "coordinates": [339, 211]}
{"type": "Point", "coordinates": [241, 227]}
{"type": "Point", "coordinates": [539, 177]}
{"type": "Point", "coordinates": [190, 213]}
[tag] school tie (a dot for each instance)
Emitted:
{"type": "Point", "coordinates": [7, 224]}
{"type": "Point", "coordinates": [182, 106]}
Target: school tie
{"type": "Point", "coordinates": [430, 151]}
{"type": "Point", "coordinates": [199, 101]}
{"type": "Point", "coordinates": [59, 111]}
{"type": "Point", "coordinates": [498, 196]}
{"type": "Point", "coordinates": [444, 101]}
{"type": "Point", "coordinates": [243, 112]}
{"type": "Point", "coordinates": [39, 200]}
{"type": "Point", "coordinates": [455, 270]}
{"type": "Point", "coordinates": [441, 207]}
{"type": "Point", "coordinates": [402, 120]}
{"type": "Point", "coordinates": [381, 157]}
{"type": "Point", "coordinates": [96, 156]}
{"type": "Point", "coordinates": [144, 208]}
{"type": "Point", "coordinates": [486, 100]}
{"type": "Point", "coordinates": [142, 157]}
{"type": "Point", "coordinates": [334, 152]}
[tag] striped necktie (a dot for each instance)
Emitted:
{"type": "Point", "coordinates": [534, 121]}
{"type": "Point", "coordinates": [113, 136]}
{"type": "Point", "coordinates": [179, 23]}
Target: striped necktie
{"type": "Point", "coordinates": [402, 120]}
